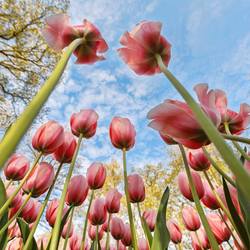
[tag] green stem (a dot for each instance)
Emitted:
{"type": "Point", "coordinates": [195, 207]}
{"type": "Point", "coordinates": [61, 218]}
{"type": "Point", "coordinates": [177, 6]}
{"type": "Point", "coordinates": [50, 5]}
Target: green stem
{"type": "Point", "coordinates": [68, 229]}
{"type": "Point", "coordinates": [107, 235]}
{"type": "Point", "coordinates": [8, 184]}
{"type": "Point", "coordinates": [199, 241]}
{"type": "Point", "coordinates": [96, 237]}
{"type": "Point", "coordinates": [86, 220]}
{"type": "Point", "coordinates": [8, 202]}
{"type": "Point", "coordinates": [200, 211]}
{"type": "Point", "coordinates": [130, 215]}
{"type": "Point", "coordinates": [56, 229]}
{"type": "Point", "coordinates": [211, 131]}
{"type": "Point", "coordinates": [44, 204]}
{"type": "Point", "coordinates": [236, 138]}
{"type": "Point", "coordinates": [140, 215]}
{"type": "Point", "coordinates": [24, 121]}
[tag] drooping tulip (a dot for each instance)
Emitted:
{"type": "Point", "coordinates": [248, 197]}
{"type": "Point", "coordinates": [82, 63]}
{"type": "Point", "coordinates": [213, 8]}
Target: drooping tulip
{"type": "Point", "coordinates": [40, 179]}
{"type": "Point", "coordinates": [112, 199]}
{"type": "Point", "coordinates": [122, 133]}
{"type": "Point", "coordinates": [48, 137]}
{"type": "Point", "coordinates": [17, 201]}
{"type": "Point", "coordinates": [16, 167]}
{"type": "Point", "coordinates": [141, 46]}
{"type": "Point", "coordinates": [127, 239]}
{"type": "Point", "coordinates": [209, 199]}
{"type": "Point", "coordinates": [96, 175]}
{"type": "Point", "coordinates": [143, 244]}
{"type": "Point", "coordinates": [117, 228]}
{"type": "Point", "coordinates": [92, 232]}
{"type": "Point", "coordinates": [136, 188]}
{"type": "Point", "coordinates": [185, 188]}
{"type": "Point", "coordinates": [77, 191]}
{"type": "Point", "coordinates": [203, 239]}
{"type": "Point", "coordinates": [174, 231]}
{"type": "Point", "coordinates": [98, 212]}
{"type": "Point", "coordinates": [66, 230]}
{"type": "Point", "coordinates": [190, 218]}
{"type": "Point", "coordinates": [84, 122]}
{"type": "Point", "coordinates": [31, 210]}
{"type": "Point", "coordinates": [150, 218]}
{"type": "Point", "coordinates": [197, 160]}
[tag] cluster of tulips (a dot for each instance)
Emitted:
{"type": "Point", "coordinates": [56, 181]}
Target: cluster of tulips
{"type": "Point", "coordinates": [189, 124]}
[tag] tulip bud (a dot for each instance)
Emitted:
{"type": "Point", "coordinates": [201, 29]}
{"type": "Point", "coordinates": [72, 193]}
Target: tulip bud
{"type": "Point", "coordinates": [31, 210]}
{"type": "Point", "coordinates": [113, 198]}
{"type": "Point", "coordinates": [136, 188]}
{"type": "Point", "coordinates": [209, 199]}
{"type": "Point", "coordinates": [17, 201]}
{"type": "Point", "coordinates": [77, 191]}
{"type": "Point", "coordinates": [84, 122]}
{"type": "Point", "coordinates": [143, 244]}
{"type": "Point", "coordinates": [48, 137]}
{"type": "Point", "coordinates": [92, 232]}
{"type": "Point", "coordinates": [150, 218]}
{"type": "Point", "coordinates": [203, 239]}
{"type": "Point", "coordinates": [122, 133]}
{"type": "Point", "coordinates": [16, 167]}
{"type": "Point", "coordinates": [98, 212]}
{"type": "Point", "coordinates": [127, 238]}
{"type": "Point", "coordinates": [197, 160]}
{"type": "Point", "coordinates": [96, 175]}
{"type": "Point", "coordinates": [65, 230]}
{"type": "Point", "coordinates": [190, 218]}
{"type": "Point", "coordinates": [174, 231]}
{"type": "Point", "coordinates": [117, 228]}
{"type": "Point", "coordinates": [39, 180]}
{"type": "Point", "coordinates": [65, 152]}
{"type": "Point", "coordinates": [185, 188]}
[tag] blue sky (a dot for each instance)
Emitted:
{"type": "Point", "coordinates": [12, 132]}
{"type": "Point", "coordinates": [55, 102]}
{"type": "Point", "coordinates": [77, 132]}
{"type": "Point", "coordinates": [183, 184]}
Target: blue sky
{"type": "Point", "coordinates": [210, 43]}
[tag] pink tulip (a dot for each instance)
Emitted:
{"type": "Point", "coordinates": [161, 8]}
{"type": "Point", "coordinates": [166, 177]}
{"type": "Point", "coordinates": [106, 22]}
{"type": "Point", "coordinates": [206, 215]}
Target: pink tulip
{"type": "Point", "coordinates": [15, 244]}
{"type": "Point", "coordinates": [42, 242]}
{"type": "Point", "coordinates": [40, 179]}
{"type": "Point", "coordinates": [143, 244]}
{"type": "Point", "coordinates": [105, 225]}
{"type": "Point", "coordinates": [122, 133]}
{"type": "Point", "coordinates": [31, 210]}
{"type": "Point", "coordinates": [13, 210]}
{"type": "Point", "coordinates": [209, 199]}
{"type": "Point", "coordinates": [14, 230]}
{"type": "Point", "coordinates": [150, 218]}
{"type": "Point", "coordinates": [92, 232]}
{"type": "Point", "coordinates": [48, 137]}
{"type": "Point", "coordinates": [167, 139]}
{"type": "Point", "coordinates": [65, 230]}
{"type": "Point", "coordinates": [96, 175]}
{"type": "Point", "coordinates": [174, 231]}
{"type": "Point", "coordinates": [17, 199]}
{"type": "Point", "coordinates": [185, 188]}
{"type": "Point", "coordinates": [16, 167]}
{"type": "Point", "coordinates": [117, 228]}
{"type": "Point", "coordinates": [141, 45]}
{"type": "Point", "coordinates": [75, 242]}
{"type": "Point", "coordinates": [59, 33]}
{"type": "Point", "coordinates": [136, 188]}
{"type": "Point", "coordinates": [190, 218]}
{"type": "Point", "coordinates": [84, 122]}
{"type": "Point", "coordinates": [113, 198]}
{"type": "Point", "coordinates": [77, 191]}
{"type": "Point", "coordinates": [98, 212]}
{"type": "Point", "coordinates": [65, 152]}
{"type": "Point", "coordinates": [203, 239]}
{"type": "Point", "coordinates": [115, 247]}
{"type": "Point", "coordinates": [127, 238]}
{"type": "Point", "coordinates": [197, 160]}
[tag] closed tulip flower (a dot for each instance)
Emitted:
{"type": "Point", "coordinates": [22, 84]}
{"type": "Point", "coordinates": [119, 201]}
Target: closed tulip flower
{"type": "Point", "coordinates": [122, 133]}
{"type": "Point", "coordinates": [31, 210]}
{"type": "Point", "coordinates": [77, 191]}
{"type": "Point", "coordinates": [203, 239]}
{"type": "Point", "coordinates": [209, 199]}
{"type": "Point", "coordinates": [96, 175]}
{"type": "Point", "coordinates": [75, 243]}
{"type": "Point", "coordinates": [84, 122]}
{"type": "Point", "coordinates": [92, 232]}
{"type": "Point", "coordinates": [13, 210]}
{"type": "Point", "coordinates": [112, 199]}
{"type": "Point", "coordinates": [174, 231]}
{"type": "Point", "coordinates": [105, 225]}
{"type": "Point", "coordinates": [197, 160]}
{"type": "Point", "coordinates": [126, 239]}
{"type": "Point", "coordinates": [17, 199]}
{"type": "Point", "coordinates": [48, 137]}
{"type": "Point", "coordinates": [16, 167]}
{"type": "Point", "coordinates": [40, 179]}
{"type": "Point", "coordinates": [143, 244]}
{"type": "Point", "coordinates": [185, 188]}
{"type": "Point", "coordinates": [65, 230]}
{"type": "Point", "coordinates": [136, 188]}
{"type": "Point", "coordinates": [150, 218]}
{"type": "Point", "coordinates": [117, 228]}
{"type": "Point", "coordinates": [98, 212]}
{"type": "Point", "coordinates": [190, 218]}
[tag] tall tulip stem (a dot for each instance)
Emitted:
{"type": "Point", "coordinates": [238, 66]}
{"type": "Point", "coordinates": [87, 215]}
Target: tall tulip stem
{"type": "Point", "coordinates": [96, 237]}
{"type": "Point", "coordinates": [8, 184]}
{"type": "Point", "coordinates": [107, 235]}
{"type": "Point", "coordinates": [68, 229]}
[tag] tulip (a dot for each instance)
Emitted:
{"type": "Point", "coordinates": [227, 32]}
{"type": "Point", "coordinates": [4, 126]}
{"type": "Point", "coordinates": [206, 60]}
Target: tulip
{"type": "Point", "coordinates": [150, 218]}
{"type": "Point", "coordinates": [209, 199]}
{"type": "Point", "coordinates": [14, 210]}
{"type": "Point", "coordinates": [112, 199]}
{"type": "Point", "coordinates": [75, 242]}
{"type": "Point", "coordinates": [143, 244]}
{"type": "Point", "coordinates": [59, 33]}
{"type": "Point", "coordinates": [98, 212]}
{"type": "Point", "coordinates": [136, 188]}
{"type": "Point", "coordinates": [84, 122]}
{"type": "Point", "coordinates": [40, 179]}
{"type": "Point", "coordinates": [65, 152]}
{"type": "Point", "coordinates": [197, 160]}
{"type": "Point", "coordinates": [203, 240]}
{"type": "Point", "coordinates": [141, 45]}
{"type": "Point", "coordinates": [96, 175]}
{"type": "Point", "coordinates": [127, 239]}
{"type": "Point", "coordinates": [30, 211]}
{"type": "Point", "coordinates": [14, 230]}
{"type": "Point", "coordinates": [17, 201]}
{"type": "Point", "coordinates": [15, 244]}
{"type": "Point", "coordinates": [42, 242]}
{"type": "Point", "coordinates": [66, 230]}
{"type": "Point", "coordinates": [118, 246]}
{"type": "Point", "coordinates": [77, 191]}
{"type": "Point", "coordinates": [122, 133]}
{"type": "Point", "coordinates": [174, 231]}
{"type": "Point", "coordinates": [48, 137]}
{"type": "Point", "coordinates": [167, 139]}
{"type": "Point", "coordinates": [117, 228]}
{"type": "Point", "coordinates": [190, 218]}
{"type": "Point", "coordinates": [185, 188]}
{"type": "Point", "coordinates": [16, 167]}
{"type": "Point", "coordinates": [92, 232]}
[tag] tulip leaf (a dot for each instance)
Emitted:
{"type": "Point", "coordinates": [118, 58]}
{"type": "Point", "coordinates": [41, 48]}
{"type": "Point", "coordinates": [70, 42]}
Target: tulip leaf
{"type": "Point", "coordinates": [25, 230]}
{"type": "Point", "coordinates": [161, 235]}
{"type": "Point", "coordinates": [147, 231]}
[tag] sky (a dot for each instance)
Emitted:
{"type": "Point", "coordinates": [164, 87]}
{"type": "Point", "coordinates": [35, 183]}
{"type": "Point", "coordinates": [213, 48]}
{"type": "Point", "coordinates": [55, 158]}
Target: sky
{"type": "Point", "coordinates": [210, 44]}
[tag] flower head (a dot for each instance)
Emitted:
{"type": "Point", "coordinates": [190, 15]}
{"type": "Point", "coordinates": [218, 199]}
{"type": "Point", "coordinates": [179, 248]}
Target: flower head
{"type": "Point", "coordinates": [174, 231]}
{"type": "Point", "coordinates": [136, 188]}
{"type": "Point", "coordinates": [112, 199]}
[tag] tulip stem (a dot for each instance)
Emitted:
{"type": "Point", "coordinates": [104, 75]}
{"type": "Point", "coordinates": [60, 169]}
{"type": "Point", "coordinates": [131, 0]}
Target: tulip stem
{"type": "Point", "coordinates": [8, 184]}
{"type": "Point", "coordinates": [107, 235]}
{"type": "Point", "coordinates": [96, 237]}
{"type": "Point", "coordinates": [34, 226]}
{"type": "Point", "coordinates": [7, 203]}
{"type": "Point", "coordinates": [117, 245]}
{"type": "Point", "coordinates": [211, 131]}
{"type": "Point", "coordinates": [56, 230]}
{"type": "Point", "coordinates": [130, 215]}
{"type": "Point", "coordinates": [217, 168]}
{"type": "Point", "coordinates": [199, 241]}
{"type": "Point", "coordinates": [86, 220]}
{"type": "Point", "coordinates": [200, 211]}
{"type": "Point", "coordinates": [24, 121]}
{"type": "Point", "coordinates": [16, 214]}
{"type": "Point", "coordinates": [236, 138]}
{"type": "Point", "coordinates": [179, 246]}
{"type": "Point", "coordinates": [140, 215]}
{"type": "Point", "coordinates": [68, 229]}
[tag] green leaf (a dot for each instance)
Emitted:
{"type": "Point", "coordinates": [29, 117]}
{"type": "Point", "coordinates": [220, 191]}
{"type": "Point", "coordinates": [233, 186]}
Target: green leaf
{"type": "Point", "coordinates": [161, 234]}
{"type": "Point", "coordinates": [25, 230]}
{"type": "Point", "coordinates": [147, 231]}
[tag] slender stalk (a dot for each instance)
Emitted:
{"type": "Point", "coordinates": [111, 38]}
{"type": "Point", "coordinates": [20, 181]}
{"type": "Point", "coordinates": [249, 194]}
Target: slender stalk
{"type": "Point", "coordinates": [96, 237]}
{"type": "Point", "coordinates": [140, 215]}
{"type": "Point", "coordinates": [199, 241]}
{"type": "Point", "coordinates": [236, 138]}
{"type": "Point", "coordinates": [44, 204]}
{"type": "Point", "coordinates": [117, 244]}
{"type": "Point", "coordinates": [200, 211]}
{"type": "Point", "coordinates": [68, 229]}
{"type": "Point", "coordinates": [179, 247]}
{"type": "Point", "coordinates": [8, 202]}
{"type": "Point", "coordinates": [56, 229]}
{"type": "Point", "coordinates": [8, 184]}
{"type": "Point", "coordinates": [130, 215]}
{"type": "Point", "coordinates": [107, 235]}
{"type": "Point", "coordinates": [86, 220]}
{"type": "Point", "coordinates": [211, 131]}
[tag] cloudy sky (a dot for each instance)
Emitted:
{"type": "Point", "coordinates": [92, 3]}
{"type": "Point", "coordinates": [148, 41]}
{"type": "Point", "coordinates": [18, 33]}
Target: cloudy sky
{"type": "Point", "coordinates": [210, 43]}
